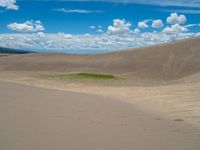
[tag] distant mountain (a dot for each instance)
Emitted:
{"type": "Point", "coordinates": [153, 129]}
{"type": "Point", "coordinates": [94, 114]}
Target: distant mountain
{"type": "Point", "coordinates": [13, 51]}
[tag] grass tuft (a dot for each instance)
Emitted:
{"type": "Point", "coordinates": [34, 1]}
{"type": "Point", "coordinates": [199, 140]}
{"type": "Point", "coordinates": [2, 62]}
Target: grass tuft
{"type": "Point", "coordinates": [79, 76]}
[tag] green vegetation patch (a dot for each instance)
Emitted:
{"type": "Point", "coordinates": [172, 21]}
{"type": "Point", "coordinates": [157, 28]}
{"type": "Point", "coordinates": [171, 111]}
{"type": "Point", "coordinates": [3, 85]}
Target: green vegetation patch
{"type": "Point", "coordinates": [79, 76]}
{"type": "Point", "coordinates": [2, 54]}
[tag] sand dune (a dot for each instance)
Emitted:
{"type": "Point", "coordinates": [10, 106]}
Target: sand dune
{"type": "Point", "coordinates": [154, 104]}
{"type": "Point", "coordinates": [163, 62]}
{"type": "Point", "coordinates": [35, 118]}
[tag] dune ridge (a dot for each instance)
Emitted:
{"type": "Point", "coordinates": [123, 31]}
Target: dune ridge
{"type": "Point", "coordinates": [164, 79]}
{"type": "Point", "coordinates": [163, 62]}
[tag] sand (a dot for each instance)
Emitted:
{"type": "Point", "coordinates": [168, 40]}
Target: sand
{"type": "Point", "coordinates": [153, 106]}
{"type": "Point", "coordinates": [34, 118]}
{"type": "Point", "coordinates": [172, 101]}
{"type": "Point", "coordinates": [156, 63]}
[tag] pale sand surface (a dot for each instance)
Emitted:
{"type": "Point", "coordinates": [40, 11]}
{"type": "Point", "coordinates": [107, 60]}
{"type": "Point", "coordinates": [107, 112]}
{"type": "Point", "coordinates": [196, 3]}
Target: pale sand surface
{"type": "Point", "coordinates": [172, 101]}
{"type": "Point", "coordinates": [155, 105]}
{"type": "Point", "coordinates": [41, 119]}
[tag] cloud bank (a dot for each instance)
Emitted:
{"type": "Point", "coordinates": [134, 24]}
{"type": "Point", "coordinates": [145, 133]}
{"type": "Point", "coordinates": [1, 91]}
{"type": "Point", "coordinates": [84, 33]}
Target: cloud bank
{"type": "Point", "coordinates": [54, 42]}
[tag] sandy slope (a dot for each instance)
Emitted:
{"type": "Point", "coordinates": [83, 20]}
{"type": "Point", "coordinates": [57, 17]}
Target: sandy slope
{"type": "Point", "coordinates": [172, 101]}
{"type": "Point", "coordinates": [165, 77]}
{"type": "Point", "coordinates": [34, 118]}
{"type": "Point", "coordinates": [159, 82]}
{"type": "Point", "coordinates": [164, 62]}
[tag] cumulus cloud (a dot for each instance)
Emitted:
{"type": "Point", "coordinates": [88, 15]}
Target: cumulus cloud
{"type": "Point", "coordinates": [119, 27]}
{"type": "Point", "coordinates": [142, 25]}
{"type": "Point", "coordinates": [28, 26]}
{"type": "Point", "coordinates": [9, 4]}
{"type": "Point", "coordinates": [40, 34]}
{"type": "Point", "coordinates": [175, 29]}
{"type": "Point", "coordinates": [118, 36]}
{"type": "Point", "coordinates": [157, 23]}
{"type": "Point", "coordinates": [136, 31]}
{"type": "Point", "coordinates": [66, 36]}
{"type": "Point", "coordinates": [174, 18]}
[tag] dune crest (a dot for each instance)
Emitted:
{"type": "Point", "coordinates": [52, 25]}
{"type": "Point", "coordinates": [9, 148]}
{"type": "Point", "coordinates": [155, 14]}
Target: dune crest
{"type": "Point", "coordinates": [163, 62]}
{"type": "Point", "coordinates": [163, 78]}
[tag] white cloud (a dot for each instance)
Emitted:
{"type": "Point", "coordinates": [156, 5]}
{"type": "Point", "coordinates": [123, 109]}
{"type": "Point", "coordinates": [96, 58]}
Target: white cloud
{"type": "Point", "coordinates": [136, 31]}
{"type": "Point", "coordinates": [38, 22]}
{"type": "Point", "coordinates": [142, 25]}
{"type": "Point", "coordinates": [66, 36]}
{"type": "Point", "coordinates": [9, 4]}
{"type": "Point", "coordinates": [197, 34]}
{"type": "Point", "coordinates": [119, 27]}
{"type": "Point", "coordinates": [192, 25]}
{"type": "Point", "coordinates": [157, 24]}
{"type": "Point", "coordinates": [175, 29]}
{"type": "Point", "coordinates": [87, 35]}
{"type": "Point", "coordinates": [174, 18]}
{"type": "Point", "coordinates": [81, 11]}
{"type": "Point", "coordinates": [119, 36]}
{"type": "Point", "coordinates": [92, 27]}
{"type": "Point", "coordinates": [115, 42]}
{"type": "Point", "coordinates": [40, 34]}
{"type": "Point", "coordinates": [28, 26]}
{"type": "Point", "coordinates": [100, 31]}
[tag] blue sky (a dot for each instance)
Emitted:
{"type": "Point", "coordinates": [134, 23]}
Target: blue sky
{"type": "Point", "coordinates": [96, 19]}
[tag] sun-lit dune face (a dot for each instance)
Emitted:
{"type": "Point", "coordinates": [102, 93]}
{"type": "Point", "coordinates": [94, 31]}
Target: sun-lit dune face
{"type": "Point", "coordinates": [163, 79]}
{"type": "Point", "coordinates": [163, 62]}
